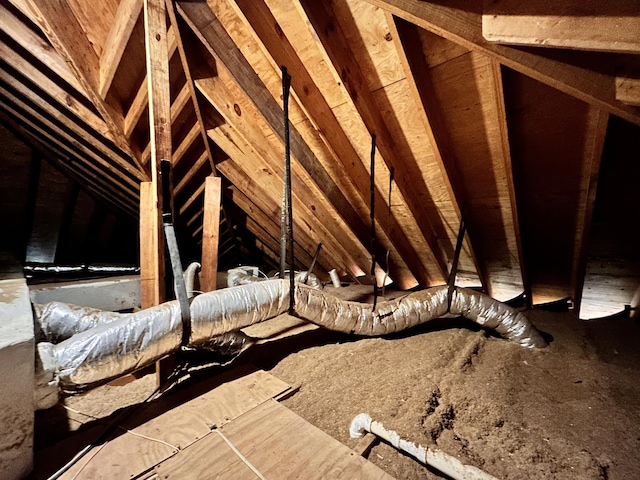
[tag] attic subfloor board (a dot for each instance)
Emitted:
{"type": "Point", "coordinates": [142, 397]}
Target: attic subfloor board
{"type": "Point", "coordinates": [274, 441]}
{"type": "Point", "coordinates": [165, 427]}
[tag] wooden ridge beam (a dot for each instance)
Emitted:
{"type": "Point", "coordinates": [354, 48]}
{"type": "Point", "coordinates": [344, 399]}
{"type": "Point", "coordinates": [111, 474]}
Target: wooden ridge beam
{"type": "Point", "coordinates": [258, 16]}
{"type": "Point", "coordinates": [214, 37]}
{"type": "Point", "coordinates": [462, 23]}
{"type": "Point", "coordinates": [59, 24]}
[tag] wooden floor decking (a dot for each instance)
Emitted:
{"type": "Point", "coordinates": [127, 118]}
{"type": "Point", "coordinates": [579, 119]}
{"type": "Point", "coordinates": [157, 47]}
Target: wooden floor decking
{"type": "Point", "coordinates": [237, 430]}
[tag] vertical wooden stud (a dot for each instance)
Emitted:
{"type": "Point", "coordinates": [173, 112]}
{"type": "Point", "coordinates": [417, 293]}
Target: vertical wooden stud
{"type": "Point", "coordinates": [210, 235]}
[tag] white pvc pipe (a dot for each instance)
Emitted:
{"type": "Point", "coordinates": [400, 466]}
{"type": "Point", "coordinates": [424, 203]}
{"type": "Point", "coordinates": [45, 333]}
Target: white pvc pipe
{"type": "Point", "coordinates": [445, 463]}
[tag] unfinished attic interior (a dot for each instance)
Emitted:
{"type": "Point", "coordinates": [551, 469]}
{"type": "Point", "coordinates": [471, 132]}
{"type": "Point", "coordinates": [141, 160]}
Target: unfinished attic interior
{"type": "Point", "coordinates": [454, 184]}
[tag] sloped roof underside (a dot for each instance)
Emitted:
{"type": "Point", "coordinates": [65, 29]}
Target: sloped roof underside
{"type": "Point", "coordinates": [538, 146]}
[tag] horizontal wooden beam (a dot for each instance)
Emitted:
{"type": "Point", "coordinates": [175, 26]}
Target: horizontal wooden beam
{"type": "Point", "coordinates": [565, 70]}
{"type": "Point", "coordinates": [612, 26]}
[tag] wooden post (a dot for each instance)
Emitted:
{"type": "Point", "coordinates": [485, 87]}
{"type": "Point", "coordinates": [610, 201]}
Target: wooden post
{"type": "Point", "coordinates": [210, 233]}
{"type": "Point", "coordinates": [157, 59]}
{"type": "Point", "coordinates": [151, 255]}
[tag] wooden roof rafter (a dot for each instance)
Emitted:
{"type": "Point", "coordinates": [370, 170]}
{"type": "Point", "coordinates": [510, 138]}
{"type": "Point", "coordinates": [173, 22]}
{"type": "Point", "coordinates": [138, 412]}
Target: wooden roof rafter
{"type": "Point", "coordinates": [217, 41]}
{"type": "Point", "coordinates": [59, 24]}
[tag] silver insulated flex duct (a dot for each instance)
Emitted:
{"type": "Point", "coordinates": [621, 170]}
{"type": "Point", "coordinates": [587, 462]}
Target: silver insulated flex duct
{"type": "Point", "coordinates": [123, 343]}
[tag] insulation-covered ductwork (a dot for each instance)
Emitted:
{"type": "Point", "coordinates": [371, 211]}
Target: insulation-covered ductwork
{"type": "Point", "coordinates": [134, 340]}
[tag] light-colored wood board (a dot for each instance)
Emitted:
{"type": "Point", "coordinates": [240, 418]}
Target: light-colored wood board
{"type": "Point", "coordinates": [309, 203]}
{"type": "Point", "coordinates": [259, 17]}
{"type": "Point", "coordinates": [209, 457]}
{"type": "Point", "coordinates": [609, 285]}
{"type": "Point", "coordinates": [367, 33]}
{"type": "Point", "coordinates": [596, 127]}
{"type": "Point", "coordinates": [65, 33]}
{"type": "Point", "coordinates": [162, 428]}
{"type": "Point", "coordinates": [211, 31]}
{"type": "Point", "coordinates": [86, 13]}
{"type": "Point", "coordinates": [189, 82]}
{"type": "Point", "coordinates": [211, 230]}
{"type": "Point", "coordinates": [116, 42]}
{"type": "Point", "coordinates": [151, 248]}
{"type": "Point", "coordinates": [613, 26]}
{"type": "Point", "coordinates": [565, 71]}
{"type": "Point", "coordinates": [280, 444]}
{"type": "Point", "coordinates": [141, 99]}
{"type": "Point", "coordinates": [38, 47]}
{"type": "Point", "coordinates": [193, 170]}
{"type": "Point", "coordinates": [158, 86]}
{"type": "Point", "coordinates": [340, 57]}
{"type": "Point", "coordinates": [426, 114]}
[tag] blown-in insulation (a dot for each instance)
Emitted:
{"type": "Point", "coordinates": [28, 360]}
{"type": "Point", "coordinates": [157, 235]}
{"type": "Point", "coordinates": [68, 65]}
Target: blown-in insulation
{"type": "Point", "coordinates": [121, 345]}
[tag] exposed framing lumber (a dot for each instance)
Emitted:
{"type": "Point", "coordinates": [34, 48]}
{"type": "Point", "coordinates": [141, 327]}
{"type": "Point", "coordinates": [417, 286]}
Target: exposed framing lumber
{"type": "Point", "coordinates": [126, 17]}
{"type": "Point", "coordinates": [158, 86]}
{"type": "Point", "coordinates": [257, 14]}
{"type": "Point", "coordinates": [67, 36]}
{"type": "Point", "coordinates": [93, 184]}
{"type": "Point", "coordinates": [207, 27]}
{"type": "Point", "coordinates": [265, 212]}
{"type": "Point", "coordinates": [178, 104]}
{"type": "Point", "coordinates": [239, 147]}
{"type": "Point", "coordinates": [597, 123]}
{"type": "Point", "coordinates": [55, 91]}
{"type": "Point", "coordinates": [151, 255]}
{"type": "Point", "coordinates": [340, 58]}
{"type": "Point", "coordinates": [628, 90]}
{"type": "Point", "coordinates": [191, 173]}
{"type": "Point", "coordinates": [242, 140]}
{"type": "Point", "coordinates": [458, 22]}
{"type": "Point", "coordinates": [38, 47]}
{"type": "Point", "coordinates": [96, 148]}
{"type": "Point", "coordinates": [612, 26]}
{"type": "Point", "coordinates": [69, 140]}
{"type": "Point", "coordinates": [408, 46]}
{"type": "Point", "coordinates": [508, 170]}
{"type": "Point", "coordinates": [141, 100]}
{"type": "Point", "coordinates": [189, 81]}
{"type": "Point", "coordinates": [210, 232]}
